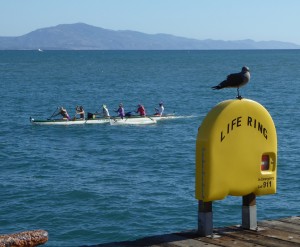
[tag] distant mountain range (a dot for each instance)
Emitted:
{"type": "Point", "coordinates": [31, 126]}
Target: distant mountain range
{"type": "Point", "coordinates": [81, 36]}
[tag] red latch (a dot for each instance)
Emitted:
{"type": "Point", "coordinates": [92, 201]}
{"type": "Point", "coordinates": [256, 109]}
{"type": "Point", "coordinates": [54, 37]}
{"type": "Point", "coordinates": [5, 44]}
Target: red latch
{"type": "Point", "coordinates": [265, 162]}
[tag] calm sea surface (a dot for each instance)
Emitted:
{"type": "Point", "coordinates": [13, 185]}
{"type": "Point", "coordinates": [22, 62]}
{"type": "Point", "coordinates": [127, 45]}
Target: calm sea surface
{"type": "Point", "coordinates": [94, 184]}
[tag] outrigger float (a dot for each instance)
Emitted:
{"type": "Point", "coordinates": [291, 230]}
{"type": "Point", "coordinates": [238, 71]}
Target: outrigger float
{"type": "Point", "coordinates": [132, 120]}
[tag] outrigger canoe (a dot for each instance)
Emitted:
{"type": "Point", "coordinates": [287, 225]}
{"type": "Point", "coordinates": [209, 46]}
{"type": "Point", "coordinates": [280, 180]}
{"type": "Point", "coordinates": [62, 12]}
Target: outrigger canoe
{"type": "Point", "coordinates": [132, 120]}
{"type": "Point", "coordinates": [113, 121]}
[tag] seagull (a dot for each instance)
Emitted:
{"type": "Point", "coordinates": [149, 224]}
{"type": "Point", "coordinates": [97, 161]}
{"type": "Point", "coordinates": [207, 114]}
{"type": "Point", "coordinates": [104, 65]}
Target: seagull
{"type": "Point", "coordinates": [235, 80]}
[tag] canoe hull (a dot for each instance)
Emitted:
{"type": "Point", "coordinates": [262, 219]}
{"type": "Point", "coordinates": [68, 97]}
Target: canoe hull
{"type": "Point", "coordinates": [133, 120]}
{"type": "Point", "coordinates": [112, 121]}
{"type": "Point", "coordinates": [69, 122]}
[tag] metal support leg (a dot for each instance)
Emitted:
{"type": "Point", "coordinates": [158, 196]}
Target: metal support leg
{"type": "Point", "coordinates": [249, 218]}
{"type": "Point", "coordinates": [205, 219]}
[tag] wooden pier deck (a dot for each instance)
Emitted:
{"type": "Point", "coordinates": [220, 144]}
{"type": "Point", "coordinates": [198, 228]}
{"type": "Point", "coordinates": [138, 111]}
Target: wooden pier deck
{"type": "Point", "coordinates": [282, 233]}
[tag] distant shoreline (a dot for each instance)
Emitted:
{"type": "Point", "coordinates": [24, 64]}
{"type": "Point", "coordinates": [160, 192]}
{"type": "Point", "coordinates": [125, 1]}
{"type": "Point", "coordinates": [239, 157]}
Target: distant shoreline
{"type": "Point", "coordinates": [80, 36]}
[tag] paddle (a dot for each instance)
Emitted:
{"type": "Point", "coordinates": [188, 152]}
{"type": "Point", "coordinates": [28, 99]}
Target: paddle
{"type": "Point", "coordinates": [74, 118]}
{"type": "Point", "coordinates": [150, 118]}
{"type": "Point", "coordinates": [53, 114]}
{"type": "Point", "coordinates": [143, 116]}
{"type": "Point", "coordinates": [112, 118]}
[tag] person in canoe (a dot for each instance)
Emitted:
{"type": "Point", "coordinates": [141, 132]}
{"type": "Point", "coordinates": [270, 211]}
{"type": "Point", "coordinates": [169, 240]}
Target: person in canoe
{"type": "Point", "coordinates": [105, 111]}
{"type": "Point", "coordinates": [141, 110]}
{"type": "Point", "coordinates": [160, 110]}
{"type": "Point", "coordinates": [80, 112]}
{"type": "Point", "coordinates": [121, 111]}
{"type": "Point", "coordinates": [64, 113]}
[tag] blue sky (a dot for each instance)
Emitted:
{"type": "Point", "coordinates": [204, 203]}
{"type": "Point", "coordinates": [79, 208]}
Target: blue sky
{"type": "Point", "coordinates": [200, 19]}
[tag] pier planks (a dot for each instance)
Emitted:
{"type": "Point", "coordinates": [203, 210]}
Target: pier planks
{"type": "Point", "coordinates": [282, 233]}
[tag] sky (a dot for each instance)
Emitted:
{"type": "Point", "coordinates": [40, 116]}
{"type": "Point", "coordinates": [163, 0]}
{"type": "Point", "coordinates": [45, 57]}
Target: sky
{"type": "Point", "coordinates": [260, 20]}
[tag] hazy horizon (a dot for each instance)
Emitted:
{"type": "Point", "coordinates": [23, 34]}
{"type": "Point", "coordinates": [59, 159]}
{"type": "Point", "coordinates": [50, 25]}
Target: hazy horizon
{"type": "Point", "coordinates": [218, 20]}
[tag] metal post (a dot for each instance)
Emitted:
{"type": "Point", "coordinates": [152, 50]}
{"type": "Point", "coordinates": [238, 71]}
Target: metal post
{"type": "Point", "coordinates": [205, 219]}
{"type": "Point", "coordinates": [249, 218]}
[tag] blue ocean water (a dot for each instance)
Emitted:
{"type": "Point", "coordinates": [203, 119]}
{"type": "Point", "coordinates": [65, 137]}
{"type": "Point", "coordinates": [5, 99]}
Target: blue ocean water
{"type": "Point", "coordinates": [94, 184]}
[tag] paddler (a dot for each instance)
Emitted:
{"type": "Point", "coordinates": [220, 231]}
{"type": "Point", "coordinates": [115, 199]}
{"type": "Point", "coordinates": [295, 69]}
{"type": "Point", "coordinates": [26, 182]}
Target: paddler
{"type": "Point", "coordinates": [80, 112]}
{"type": "Point", "coordinates": [141, 110]}
{"type": "Point", "coordinates": [64, 113]}
{"type": "Point", "coordinates": [105, 111]}
{"type": "Point", "coordinates": [160, 110]}
{"type": "Point", "coordinates": [121, 111]}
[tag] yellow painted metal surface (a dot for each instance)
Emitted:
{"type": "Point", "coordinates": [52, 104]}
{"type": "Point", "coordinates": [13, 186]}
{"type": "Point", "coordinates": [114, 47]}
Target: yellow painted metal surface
{"type": "Point", "coordinates": [236, 151]}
